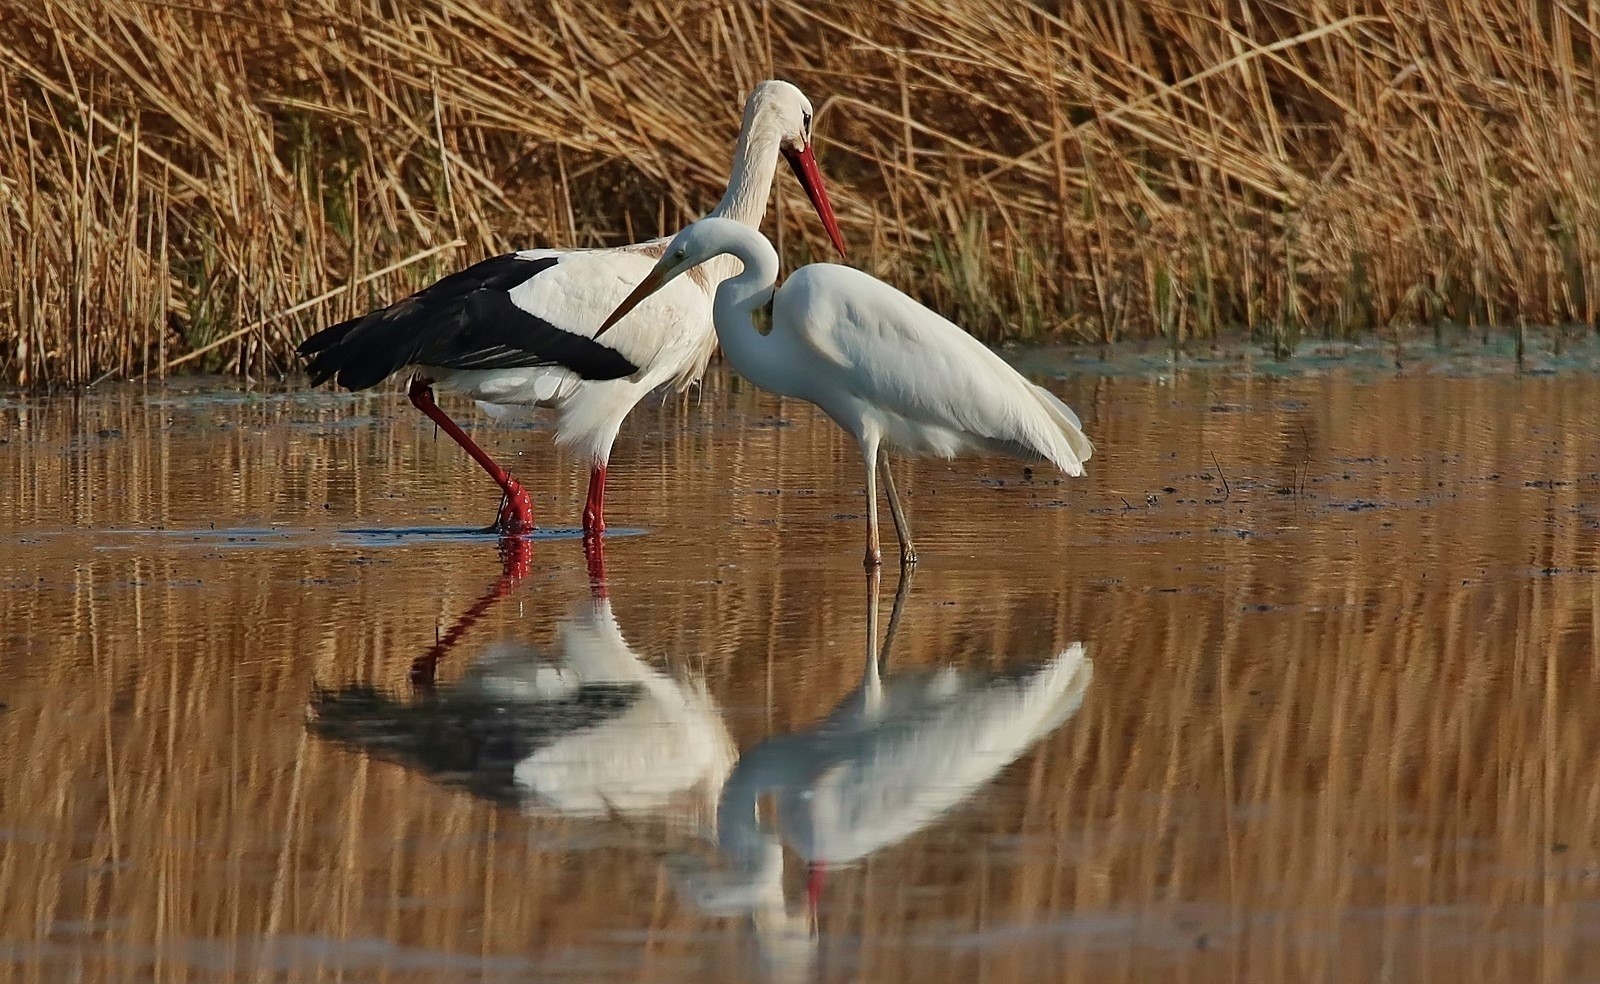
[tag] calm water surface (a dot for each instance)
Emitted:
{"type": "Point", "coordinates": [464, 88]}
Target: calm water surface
{"type": "Point", "coordinates": [1333, 716]}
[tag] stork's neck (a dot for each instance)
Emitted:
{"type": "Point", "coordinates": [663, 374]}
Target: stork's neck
{"type": "Point", "coordinates": [757, 357]}
{"type": "Point", "coordinates": [755, 159]}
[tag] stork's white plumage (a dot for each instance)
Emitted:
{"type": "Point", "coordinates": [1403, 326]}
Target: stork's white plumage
{"type": "Point", "coordinates": [586, 729]}
{"type": "Point", "coordinates": [883, 366]}
{"type": "Point", "coordinates": [518, 329]}
{"type": "Point", "coordinates": [668, 740]}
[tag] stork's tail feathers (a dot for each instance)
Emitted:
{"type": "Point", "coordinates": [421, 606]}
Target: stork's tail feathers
{"type": "Point", "coordinates": [315, 350]}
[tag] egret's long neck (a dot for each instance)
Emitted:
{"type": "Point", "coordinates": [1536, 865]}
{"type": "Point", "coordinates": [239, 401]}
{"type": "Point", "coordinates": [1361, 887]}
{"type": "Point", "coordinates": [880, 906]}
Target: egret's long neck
{"type": "Point", "coordinates": [757, 357]}
{"type": "Point", "coordinates": [770, 766]}
{"type": "Point", "coordinates": [755, 158]}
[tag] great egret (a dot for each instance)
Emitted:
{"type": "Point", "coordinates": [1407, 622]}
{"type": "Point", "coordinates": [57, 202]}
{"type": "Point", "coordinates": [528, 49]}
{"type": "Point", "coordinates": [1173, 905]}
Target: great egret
{"type": "Point", "coordinates": [516, 329]}
{"type": "Point", "coordinates": [894, 756]}
{"type": "Point", "coordinates": [884, 367]}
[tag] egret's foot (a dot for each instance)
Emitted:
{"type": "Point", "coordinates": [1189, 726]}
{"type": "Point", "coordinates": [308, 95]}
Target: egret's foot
{"type": "Point", "coordinates": [908, 557]}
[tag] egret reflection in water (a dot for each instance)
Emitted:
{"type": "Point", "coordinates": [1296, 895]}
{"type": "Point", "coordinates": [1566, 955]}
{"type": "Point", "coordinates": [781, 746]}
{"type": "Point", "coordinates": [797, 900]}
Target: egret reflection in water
{"type": "Point", "coordinates": [585, 729]}
{"type": "Point", "coordinates": [894, 756]}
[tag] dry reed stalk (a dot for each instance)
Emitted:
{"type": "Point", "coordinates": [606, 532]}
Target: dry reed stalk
{"type": "Point", "coordinates": [171, 176]}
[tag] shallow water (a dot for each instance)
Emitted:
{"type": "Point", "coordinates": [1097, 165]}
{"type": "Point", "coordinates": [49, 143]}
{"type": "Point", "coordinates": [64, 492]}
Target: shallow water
{"type": "Point", "coordinates": [1334, 721]}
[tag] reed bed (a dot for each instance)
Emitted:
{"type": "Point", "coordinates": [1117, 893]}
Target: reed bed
{"type": "Point", "coordinates": [202, 184]}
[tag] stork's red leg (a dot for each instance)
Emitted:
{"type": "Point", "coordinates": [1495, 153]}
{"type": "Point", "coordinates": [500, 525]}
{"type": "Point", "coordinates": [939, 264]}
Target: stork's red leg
{"type": "Point", "coordinates": [516, 555]}
{"type": "Point", "coordinates": [594, 509]}
{"type": "Point", "coordinates": [594, 551]}
{"type": "Point", "coordinates": [516, 507]}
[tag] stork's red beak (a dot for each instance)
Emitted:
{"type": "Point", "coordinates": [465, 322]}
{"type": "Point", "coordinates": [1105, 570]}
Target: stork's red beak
{"type": "Point", "coordinates": [649, 285]}
{"type": "Point", "coordinates": [804, 165]}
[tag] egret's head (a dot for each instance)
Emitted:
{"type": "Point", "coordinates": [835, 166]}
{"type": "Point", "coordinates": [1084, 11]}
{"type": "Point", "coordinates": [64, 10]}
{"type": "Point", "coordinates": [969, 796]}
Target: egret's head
{"type": "Point", "coordinates": [693, 246]}
{"type": "Point", "coordinates": [779, 107]}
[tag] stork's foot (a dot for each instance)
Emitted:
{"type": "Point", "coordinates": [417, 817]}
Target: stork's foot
{"type": "Point", "coordinates": [516, 558]}
{"type": "Point", "coordinates": [516, 512]}
{"type": "Point", "coordinates": [594, 507]}
{"type": "Point", "coordinates": [594, 552]}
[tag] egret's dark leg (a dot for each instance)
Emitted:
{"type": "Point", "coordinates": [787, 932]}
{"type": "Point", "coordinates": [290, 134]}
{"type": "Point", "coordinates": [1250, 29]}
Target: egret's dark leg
{"type": "Point", "coordinates": [815, 873]}
{"type": "Point", "coordinates": [594, 508]}
{"type": "Point", "coordinates": [901, 589]}
{"type": "Point", "coordinates": [871, 682]}
{"type": "Point", "coordinates": [902, 529]}
{"type": "Point", "coordinates": [874, 558]}
{"type": "Point", "coordinates": [516, 507]}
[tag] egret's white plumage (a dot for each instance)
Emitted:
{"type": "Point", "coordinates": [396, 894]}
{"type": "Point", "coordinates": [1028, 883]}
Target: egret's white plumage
{"type": "Point", "coordinates": [896, 754]}
{"type": "Point", "coordinates": [518, 329]}
{"type": "Point", "coordinates": [883, 366]}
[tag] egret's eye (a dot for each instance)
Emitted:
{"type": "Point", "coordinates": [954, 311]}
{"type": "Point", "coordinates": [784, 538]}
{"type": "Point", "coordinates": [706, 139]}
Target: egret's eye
{"type": "Point", "coordinates": [679, 253]}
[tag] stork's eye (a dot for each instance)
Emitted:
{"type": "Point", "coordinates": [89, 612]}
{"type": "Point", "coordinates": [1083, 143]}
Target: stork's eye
{"type": "Point", "coordinates": [805, 123]}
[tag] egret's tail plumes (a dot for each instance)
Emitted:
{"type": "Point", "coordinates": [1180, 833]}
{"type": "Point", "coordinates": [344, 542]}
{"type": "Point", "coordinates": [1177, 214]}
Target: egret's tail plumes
{"type": "Point", "coordinates": [1066, 446]}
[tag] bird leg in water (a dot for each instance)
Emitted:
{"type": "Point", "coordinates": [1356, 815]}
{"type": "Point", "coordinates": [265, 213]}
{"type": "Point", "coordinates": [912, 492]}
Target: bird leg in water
{"type": "Point", "coordinates": [516, 555]}
{"type": "Point", "coordinates": [815, 873]}
{"type": "Point", "coordinates": [594, 508]}
{"type": "Point", "coordinates": [872, 685]}
{"type": "Point", "coordinates": [874, 559]}
{"type": "Point", "coordinates": [594, 552]}
{"type": "Point", "coordinates": [516, 507]}
{"type": "Point", "coordinates": [902, 529]}
{"type": "Point", "coordinates": [901, 589]}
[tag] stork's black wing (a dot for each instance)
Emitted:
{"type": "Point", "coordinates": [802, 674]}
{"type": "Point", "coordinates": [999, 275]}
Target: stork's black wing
{"type": "Point", "coordinates": [464, 321]}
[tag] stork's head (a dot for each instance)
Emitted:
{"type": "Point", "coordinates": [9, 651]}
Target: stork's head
{"type": "Point", "coordinates": [778, 107]}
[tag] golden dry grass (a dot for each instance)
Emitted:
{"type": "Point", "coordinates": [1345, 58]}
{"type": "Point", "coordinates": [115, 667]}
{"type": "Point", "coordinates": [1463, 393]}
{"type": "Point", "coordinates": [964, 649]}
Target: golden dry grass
{"type": "Point", "coordinates": [172, 175]}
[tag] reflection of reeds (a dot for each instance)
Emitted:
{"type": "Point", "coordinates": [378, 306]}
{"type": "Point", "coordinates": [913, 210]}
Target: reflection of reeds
{"type": "Point", "coordinates": [175, 175]}
{"type": "Point", "coordinates": [1385, 768]}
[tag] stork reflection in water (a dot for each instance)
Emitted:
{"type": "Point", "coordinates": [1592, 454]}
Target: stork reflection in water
{"type": "Point", "coordinates": [587, 728]}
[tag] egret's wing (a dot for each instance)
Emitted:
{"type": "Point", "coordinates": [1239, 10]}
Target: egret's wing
{"type": "Point", "coordinates": [892, 352]}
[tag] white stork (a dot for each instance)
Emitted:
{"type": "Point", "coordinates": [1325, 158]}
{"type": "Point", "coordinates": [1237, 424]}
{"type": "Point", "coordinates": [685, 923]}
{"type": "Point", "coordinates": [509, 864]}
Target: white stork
{"type": "Point", "coordinates": [517, 329]}
{"type": "Point", "coordinates": [885, 368]}
{"type": "Point", "coordinates": [584, 730]}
